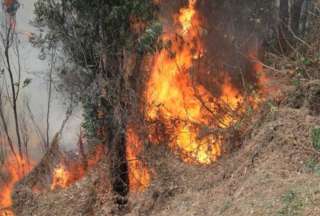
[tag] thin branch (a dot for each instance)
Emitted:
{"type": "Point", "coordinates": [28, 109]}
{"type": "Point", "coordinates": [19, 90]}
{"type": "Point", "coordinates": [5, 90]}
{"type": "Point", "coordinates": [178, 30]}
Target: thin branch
{"type": "Point", "coordinates": [5, 127]}
{"type": "Point", "coordinates": [49, 98]}
{"type": "Point", "coordinates": [38, 130]}
{"type": "Point", "coordinates": [13, 90]}
{"type": "Point", "coordinates": [68, 115]}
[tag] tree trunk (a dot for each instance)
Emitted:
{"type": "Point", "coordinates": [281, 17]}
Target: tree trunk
{"type": "Point", "coordinates": [296, 10]}
{"type": "Point", "coordinates": [115, 119]}
{"type": "Point", "coordinates": [13, 90]}
{"type": "Point", "coordinates": [118, 163]}
{"type": "Point", "coordinates": [304, 16]}
{"type": "Point", "coordinates": [283, 33]}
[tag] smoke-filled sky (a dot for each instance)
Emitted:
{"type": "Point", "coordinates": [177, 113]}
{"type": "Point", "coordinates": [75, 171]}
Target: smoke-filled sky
{"type": "Point", "coordinates": [37, 92]}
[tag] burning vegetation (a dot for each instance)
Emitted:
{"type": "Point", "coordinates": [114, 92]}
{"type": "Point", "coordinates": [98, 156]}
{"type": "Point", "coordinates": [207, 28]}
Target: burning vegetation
{"type": "Point", "coordinates": [56, 171]}
{"type": "Point", "coordinates": [13, 169]}
{"type": "Point", "coordinates": [192, 98]}
{"type": "Point", "coordinates": [69, 171]}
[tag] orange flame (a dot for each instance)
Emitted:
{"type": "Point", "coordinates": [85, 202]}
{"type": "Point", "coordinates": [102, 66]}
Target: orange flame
{"type": "Point", "coordinates": [61, 178]}
{"type": "Point", "coordinates": [172, 95]}
{"type": "Point", "coordinates": [7, 213]}
{"type": "Point", "coordinates": [15, 168]}
{"type": "Point", "coordinates": [65, 174]}
{"type": "Point", "coordinates": [258, 68]}
{"type": "Point", "coordinates": [170, 90]}
{"type": "Point", "coordinates": [186, 16]}
{"type": "Point", "coordinates": [139, 176]}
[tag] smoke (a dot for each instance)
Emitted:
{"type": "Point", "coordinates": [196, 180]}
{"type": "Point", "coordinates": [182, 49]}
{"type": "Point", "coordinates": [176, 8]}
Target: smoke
{"type": "Point", "coordinates": [233, 32]}
{"type": "Point", "coordinates": [36, 93]}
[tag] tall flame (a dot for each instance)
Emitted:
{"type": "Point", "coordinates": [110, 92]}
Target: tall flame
{"type": "Point", "coordinates": [173, 96]}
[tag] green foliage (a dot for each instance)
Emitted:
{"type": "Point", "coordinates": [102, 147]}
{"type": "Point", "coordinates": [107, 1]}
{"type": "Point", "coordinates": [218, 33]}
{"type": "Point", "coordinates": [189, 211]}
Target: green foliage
{"type": "Point", "coordinates": [316, 138]}
{"type": "Point", "coordinates": [296, 82]}
{"type": "Point", "coordinates": [289, 197]}
{"type": "Point", "coordinates": [147, 40]}
{"type": "Point", "coordinates": [98, 26]}
{"type": "Point", "coordinates": [306, 61]}
{"type": "Point", "coordinates": [97, 35]}
{"type": "Point", "coordinates": [273, 108]}
{"type": "Point", "coordinates": [292, 204]}
{"type": "Point", "coordinates": [90, 117]}
{"type": "Point", "coordinates": [312, 165]}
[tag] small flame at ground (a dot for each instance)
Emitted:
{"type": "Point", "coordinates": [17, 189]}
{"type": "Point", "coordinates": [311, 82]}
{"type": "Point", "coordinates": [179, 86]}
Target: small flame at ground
{"type": "Point", "coordinates": [65, 174]}
{"type": "Point", "coordinates": [15, 168]}
{"type": "Point", "coordinates": [61, 178]}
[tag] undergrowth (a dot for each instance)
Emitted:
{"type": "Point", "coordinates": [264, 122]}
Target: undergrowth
{"type": "Point", "coordinates": [316, 138]}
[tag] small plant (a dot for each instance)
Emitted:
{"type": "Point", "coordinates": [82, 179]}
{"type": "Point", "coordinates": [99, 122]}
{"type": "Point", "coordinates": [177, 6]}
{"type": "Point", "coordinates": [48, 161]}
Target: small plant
{"type": "Point", "coordinates": [292, 204]}
{"type": "Point", "coordinates": [301, 71]}
{"type": "Point", "coordinates": [316, 138]}
{"type": "Point", "coordinates": [273, 108]}
{"type": "Point", "coordinates": [289, 197]}
{"type": "Point", "coordinates": [225, 207]}
{"type": "Point", "coordinates": [296, 82]}
{"type": "Point", "coordinates": [306, 61]}
{"type": "Point", "coordinates": [312, 165]}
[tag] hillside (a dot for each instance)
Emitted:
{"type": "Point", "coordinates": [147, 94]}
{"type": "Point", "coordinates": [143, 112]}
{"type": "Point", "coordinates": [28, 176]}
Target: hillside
{"type": "Point", "coordinates": [274, 172]}
{"type": "Point", "coordinates": [190, 107]}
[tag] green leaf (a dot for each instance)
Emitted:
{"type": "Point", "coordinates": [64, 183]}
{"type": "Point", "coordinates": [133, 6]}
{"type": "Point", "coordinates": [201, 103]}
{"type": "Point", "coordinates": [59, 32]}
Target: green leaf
{"type": "Point", "coordinates": [307, 61]}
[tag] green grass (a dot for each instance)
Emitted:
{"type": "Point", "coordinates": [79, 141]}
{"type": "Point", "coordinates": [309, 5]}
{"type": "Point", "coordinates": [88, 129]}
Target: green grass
{"type": "Point", "coordinates": [316, 138]}
{"type": "Point", "coordinates": [292, 204]}
{"type": "Point", "coordinates": [313, 165]}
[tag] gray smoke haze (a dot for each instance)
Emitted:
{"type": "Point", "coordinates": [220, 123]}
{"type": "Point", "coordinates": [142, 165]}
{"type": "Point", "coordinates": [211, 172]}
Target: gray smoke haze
{"type": "Point", "coordinates": [37, 91]}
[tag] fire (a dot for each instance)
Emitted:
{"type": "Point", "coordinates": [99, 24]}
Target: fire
{"type": "Point", "coordinates": [61, 178]}
{"type": "Point", "coordinates": [170, 90]}
{"type": "Point", "coordinates": [183, 106]}
{"type": "Point", "coordinates": [15, 168]}
{"type": "Point", "coordinates": [66, 173]}
{"type": "Point", "coordinates": [139, 176]}
{"type": "Point", "coordinates": [258, 67]}
{"type": "Point", "coordinates": [186, 16]}
{"type": "Point", "coordinates": [7, 213]}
